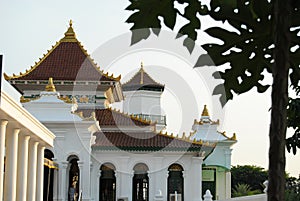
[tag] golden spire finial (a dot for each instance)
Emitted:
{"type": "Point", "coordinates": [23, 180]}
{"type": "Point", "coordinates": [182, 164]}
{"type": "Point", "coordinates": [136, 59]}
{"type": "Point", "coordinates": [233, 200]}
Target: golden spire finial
{"type": "Point", "coordinates": [142, 73]}
{"type": "Point", "coordinates": [69, 34]}
{"type": "Point", "coordinates": [205, 111]}
{"type": "Point", "coordinates": [50, 86]}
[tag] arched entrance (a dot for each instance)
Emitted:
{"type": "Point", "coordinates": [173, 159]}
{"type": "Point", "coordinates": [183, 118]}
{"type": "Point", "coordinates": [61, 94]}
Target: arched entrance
{"type": "Point", "coordinates": [140, 183]}
{"type": "Point", "coordinates": [107, 183]}
{"type": "Point", "coordinates": [175, 183]}
{"type": "Point", "coordinates": [74, 179]}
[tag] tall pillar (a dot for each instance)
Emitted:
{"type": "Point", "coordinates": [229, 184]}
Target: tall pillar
{"type": "Point", "coordinates": [55, 183]}
{"type": "Point", "coordinates": [125, 178]}
{"type": "Point", "coordinates": [84, 179]}
{"type": "Point", "coordinates": [22, 168]}
{"type": "Point", "coordinates": [11, 166]}
{"type": "Point", "coordinates": [32, 167]}
{"type": "Point", "coordinates": [3, 125]}
{"type": "Point", "coordinates": [97, 184]}
{"type": "Point", "coordinates": [228, 185]}
{"type": "Point", "coordinates": [197, 178]}
{"type": "Point", "coordinates": [81, 180]}
{"type": "Point", "coordinates": [63, 188]}
{"type": "Point", "coordinates": [40, 174]}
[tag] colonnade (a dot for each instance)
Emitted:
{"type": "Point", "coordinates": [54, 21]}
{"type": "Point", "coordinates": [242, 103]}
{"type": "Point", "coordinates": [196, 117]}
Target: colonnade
{"type": "Point", "coordinates": [21, 165]}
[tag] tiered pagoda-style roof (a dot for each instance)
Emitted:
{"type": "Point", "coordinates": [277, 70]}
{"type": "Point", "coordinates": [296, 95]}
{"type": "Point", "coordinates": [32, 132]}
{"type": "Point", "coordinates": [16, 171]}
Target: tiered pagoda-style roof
{"type": "Point", "coordinates": [110, 117]}
{"type": "Point", "coordinates": [148, 141]}
{"type": "Point", "coordinates": [142, 81]}
{"type": "Point", "coordinates": [114, 135]}
{"type": "Point", "coordinates": [67, 60]}
{"type": "Point", "coordinates": [206, 129]}
{"type": "Point", "coordinates": [68, 63]}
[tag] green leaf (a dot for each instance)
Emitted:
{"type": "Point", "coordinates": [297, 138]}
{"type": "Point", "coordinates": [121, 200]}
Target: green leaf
{"type": "Point", "coordinates": [246, 49]}
{"type": "Point", "coordinates": [146, 16]}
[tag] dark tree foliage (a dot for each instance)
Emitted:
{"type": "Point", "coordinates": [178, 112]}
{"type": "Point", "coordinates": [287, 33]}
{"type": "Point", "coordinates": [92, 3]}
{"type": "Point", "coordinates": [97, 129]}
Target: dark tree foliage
{"type": "Point", "coordinates": [293, 113]}
{"type": "Point", "coordinates": [249, 174]}
{"type": "Point", "coordinates": [266, 38]}
{"type": "Point", "coordinates": [292, 192]}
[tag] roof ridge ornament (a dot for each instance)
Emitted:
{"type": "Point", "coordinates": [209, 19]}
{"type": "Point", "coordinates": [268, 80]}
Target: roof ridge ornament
{"type": "Point", "coordinates": [142, 73]}
{"type": "Point", "coordinates": [205, 112]}
{"type": "Point", "coordinates": [50, 86]}
{"type": "Point", "coordinates": [70, 35]}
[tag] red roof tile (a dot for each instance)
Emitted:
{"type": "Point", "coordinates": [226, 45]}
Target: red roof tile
{"type": "Point", "coordinates": [67, 60]}
{"type": "Point", "coordinates": [109, 117]}
{"type": "Point", "coordinates": [142, 80]}
{"type": "Point", "coordinates": [142, 141]}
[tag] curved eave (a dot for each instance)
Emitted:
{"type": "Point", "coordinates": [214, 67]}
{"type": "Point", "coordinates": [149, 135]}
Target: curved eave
{"type": "Point", "coordinates": [66, 39]}
{"type": "Point", "coordinates": [145, 87]}
{"type": "Point", "coordinates": [214, 166]}
{"type": "Point", "coordinates": [146, 149]}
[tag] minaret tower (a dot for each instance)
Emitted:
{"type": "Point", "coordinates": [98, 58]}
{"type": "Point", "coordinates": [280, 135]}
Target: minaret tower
{"type": "Point", "coordinates": [143, 98]}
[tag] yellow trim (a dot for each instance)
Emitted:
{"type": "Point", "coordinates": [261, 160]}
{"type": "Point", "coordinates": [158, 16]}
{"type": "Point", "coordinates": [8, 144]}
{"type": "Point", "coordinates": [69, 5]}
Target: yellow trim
{"type": "Point", "coordinates": [187, 139]}
{"type": "Point", "coordinates": [70, 36]}
{"type": "Point", "coordinates": [66, 99]}
{"type": "Point", "coordinates": [50, 164]}
{"type": "Point", "coordinates": [229, 138]}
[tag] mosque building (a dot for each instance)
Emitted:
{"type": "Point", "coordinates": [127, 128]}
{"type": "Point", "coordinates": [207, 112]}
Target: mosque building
{"type": "Point", "coordinates": [102, 154]}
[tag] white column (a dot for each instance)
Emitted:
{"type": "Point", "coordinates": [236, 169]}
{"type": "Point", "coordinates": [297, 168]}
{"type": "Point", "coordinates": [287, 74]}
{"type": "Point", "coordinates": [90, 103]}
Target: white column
{"type": "Point", "coordinates": [63, 188]}
{"type": "Point", "coordinates": [228, 185]}
{"type": "Point", "coordinates": [40, 174]}
{"type": "Point", "coordinates": [151, 186]}
{"type": "Point", "coordinates": [55, 182]}
{"type": "Point", "coordinates": [32, 166]}
{"type": "Point", "coordinates": [197, 179]}
{"type": "Point", "coordinates": [81, 180]}
{"type": "Point", "coordinates": [159, 178]}
{"type": "Point", "coordinates": [84, 179]}
{"type": "Point", "coordinates": [11, 166]}
{"type": "Point", "coordinates": [3, 125]}
{"type": "Point", "coordinates": [126, 178]}
{"type": "Point", "coordinates": [97, 184]}
{"type": "Point", "coordinates": [22, 168]}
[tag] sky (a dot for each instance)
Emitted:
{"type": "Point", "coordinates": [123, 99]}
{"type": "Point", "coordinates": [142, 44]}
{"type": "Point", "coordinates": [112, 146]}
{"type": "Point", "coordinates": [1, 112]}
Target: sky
{"type": "Point", "coordinates": [29, 28]}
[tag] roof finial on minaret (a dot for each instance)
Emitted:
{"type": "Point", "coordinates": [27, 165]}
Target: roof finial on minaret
{"type": "Point", "coordinates": [70, 23]}
{"type": "Point", "coordinates": [70, 34]}
{"type": "Point", "coordinates": [50, 86]}
{"type": "Point", "coordinates": [205, 112]}
{"type": "Point", "coordinates": [142, 73]}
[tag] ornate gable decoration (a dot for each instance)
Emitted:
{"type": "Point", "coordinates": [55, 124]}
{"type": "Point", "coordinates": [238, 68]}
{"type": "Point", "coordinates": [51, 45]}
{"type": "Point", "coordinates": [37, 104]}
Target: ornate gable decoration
{"type": "Point", "coordinates": [66, 60]}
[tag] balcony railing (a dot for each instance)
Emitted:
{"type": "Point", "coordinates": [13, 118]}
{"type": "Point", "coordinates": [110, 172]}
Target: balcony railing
{"type": "Point", "coordinates": [160, 119]}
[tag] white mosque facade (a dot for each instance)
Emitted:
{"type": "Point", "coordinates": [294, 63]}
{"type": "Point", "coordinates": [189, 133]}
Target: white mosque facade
{"type": "Point", "coordinates": [103, 154]}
